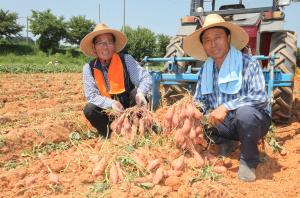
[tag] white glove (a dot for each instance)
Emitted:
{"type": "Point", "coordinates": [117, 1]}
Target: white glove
{"type": "Point", "coordinates": [117, 106]}
{"type": "Point", "coordinates": [140, 99]}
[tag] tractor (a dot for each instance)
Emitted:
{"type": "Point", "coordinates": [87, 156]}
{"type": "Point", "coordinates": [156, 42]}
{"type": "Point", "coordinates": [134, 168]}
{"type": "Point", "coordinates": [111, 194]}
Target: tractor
{"type": "Point", "coordinates": [274, 46]}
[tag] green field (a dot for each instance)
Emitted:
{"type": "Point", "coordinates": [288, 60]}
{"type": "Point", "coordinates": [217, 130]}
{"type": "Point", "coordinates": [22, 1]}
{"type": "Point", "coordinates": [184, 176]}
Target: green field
{"type": "Point", "coordinates": [42, 63]}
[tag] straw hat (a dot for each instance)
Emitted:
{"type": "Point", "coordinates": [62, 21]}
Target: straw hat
{"type": "Point", "coordinates": [86, 44]}
{"type": "Point", "coordinates": [193, 47]}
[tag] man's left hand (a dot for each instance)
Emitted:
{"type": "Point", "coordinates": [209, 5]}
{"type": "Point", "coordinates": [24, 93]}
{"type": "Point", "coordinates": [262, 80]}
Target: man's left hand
{"type": "Point", "coordinates": [140, 99]}
{"type": "Point", "coordinates": [218, 115]}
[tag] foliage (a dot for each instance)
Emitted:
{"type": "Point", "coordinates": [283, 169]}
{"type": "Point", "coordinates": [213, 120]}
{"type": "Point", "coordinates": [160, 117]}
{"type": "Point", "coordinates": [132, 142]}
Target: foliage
{"type": "Point", "coordinates": [19, 49]}
{"type": "Point", "coordinates": [50, 29]}
{"type": "Point", "coordinates": [40, 62]}
{"type": "Point", "coordinates": [298, 57]}
{"type": "Point", "coordinates": [205, 173]}
{"type": "Point", "coordinates": [19, 40]}
{"type": "Point", "coordinates": [271, 139]}
{"type": "Point", "coordinates": [141, 42]}
{"type": "Point", "coordinates": [162, 43]}
{"type": "Point", "coordinates": [77, 28]}
{"type": "Point", "coordinates": [8, 24]}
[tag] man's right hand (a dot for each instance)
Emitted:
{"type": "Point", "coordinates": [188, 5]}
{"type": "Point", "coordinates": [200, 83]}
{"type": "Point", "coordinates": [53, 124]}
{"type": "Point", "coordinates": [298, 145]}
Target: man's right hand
{"type": "Point", "coordinates": [117, 106]}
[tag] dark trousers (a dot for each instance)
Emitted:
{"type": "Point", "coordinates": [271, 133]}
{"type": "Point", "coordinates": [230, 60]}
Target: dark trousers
{"type": "Point", "coordinates": [99, 119]}
{"type": "Point", "coordinates": [247, 125]}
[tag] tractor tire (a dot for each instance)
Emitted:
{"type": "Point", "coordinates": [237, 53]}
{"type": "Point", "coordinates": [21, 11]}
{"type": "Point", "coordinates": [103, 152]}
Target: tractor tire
{"type": "Point", "coordinates": [284, 46]}
{"type": "Point", "coordinates": [172, 93]}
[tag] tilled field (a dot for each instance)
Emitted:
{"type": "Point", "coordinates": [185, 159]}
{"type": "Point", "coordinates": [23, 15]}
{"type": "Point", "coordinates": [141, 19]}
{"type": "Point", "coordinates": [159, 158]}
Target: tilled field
{"type": "Point", "coordinates": [47, 149]}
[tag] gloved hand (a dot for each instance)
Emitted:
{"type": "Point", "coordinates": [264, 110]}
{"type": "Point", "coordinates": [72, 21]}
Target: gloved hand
{"type": "Point", "coordinates": [117, 106]}
{"type": "Point", "coordinates": [140, 99]}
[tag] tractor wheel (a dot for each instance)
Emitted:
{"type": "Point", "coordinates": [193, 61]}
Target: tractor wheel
{"type": "Point", "coordinates": [284, 45]}
{"type": "Point", "coordinates": [172, 93]}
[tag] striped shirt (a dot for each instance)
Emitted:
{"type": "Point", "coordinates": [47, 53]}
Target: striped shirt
{"type": "Point", "coordinates": [252, 92]}
{"type": "Point", "coordinates": [138, 76]}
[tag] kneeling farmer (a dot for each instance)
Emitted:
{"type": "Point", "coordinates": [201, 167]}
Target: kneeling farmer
{"type": "Point", "coordinates": [231, 85]}
{"type": "Point", "coordinates": [112, 80]}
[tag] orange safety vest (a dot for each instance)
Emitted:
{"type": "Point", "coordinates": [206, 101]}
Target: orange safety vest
{"type": "Point", "coordinates": [115, 77]}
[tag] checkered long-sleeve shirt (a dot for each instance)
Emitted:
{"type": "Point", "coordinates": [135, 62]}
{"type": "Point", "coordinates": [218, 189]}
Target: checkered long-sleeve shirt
{"type": "Point", "coordinates": [138, 76]}
{"type": "Point", "coordinates": [252, 92]}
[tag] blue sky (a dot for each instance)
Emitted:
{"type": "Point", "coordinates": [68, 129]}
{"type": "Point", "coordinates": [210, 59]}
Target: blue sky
{"type": "Point", "coordinates": [160, 16]}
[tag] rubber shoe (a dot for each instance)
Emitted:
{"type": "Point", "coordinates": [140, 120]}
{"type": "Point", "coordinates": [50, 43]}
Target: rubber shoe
{"type": "Point", "coordinates": [246, 173]}
{"type": "Point", "coordinates": [227, 148]}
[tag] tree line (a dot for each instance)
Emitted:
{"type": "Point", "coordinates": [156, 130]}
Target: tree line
{"type": "Point", "coordinates": [52, 30]}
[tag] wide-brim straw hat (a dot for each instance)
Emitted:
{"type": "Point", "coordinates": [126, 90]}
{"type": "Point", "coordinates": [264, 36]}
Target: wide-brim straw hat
{"type": "Point", "coordinates": [86, 44]}
{"type": "Point", "coordinates": [194, 48]}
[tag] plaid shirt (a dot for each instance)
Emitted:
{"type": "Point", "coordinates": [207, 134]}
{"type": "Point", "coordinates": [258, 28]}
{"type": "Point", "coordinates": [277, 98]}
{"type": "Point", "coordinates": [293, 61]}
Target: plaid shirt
{"type": "Point", "coordinates": [138, 76]}
{"type": "Point", "coordinates": [252, 92]}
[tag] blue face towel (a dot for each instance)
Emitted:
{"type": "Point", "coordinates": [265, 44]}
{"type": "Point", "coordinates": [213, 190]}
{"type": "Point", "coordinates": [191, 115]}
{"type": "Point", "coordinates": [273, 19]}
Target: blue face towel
{"type": "Point", "coordinates": [230, 74]}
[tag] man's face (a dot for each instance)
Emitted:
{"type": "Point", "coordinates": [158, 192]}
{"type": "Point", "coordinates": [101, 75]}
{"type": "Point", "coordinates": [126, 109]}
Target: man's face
{"type": "Point", "coordinates": [216, 43]}
{"type": "Point", "coordinates": [104, 46]}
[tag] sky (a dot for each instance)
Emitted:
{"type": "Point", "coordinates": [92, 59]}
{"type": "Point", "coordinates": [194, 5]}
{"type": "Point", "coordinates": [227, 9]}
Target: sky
{"type": "Point", "coordinates": [160, 16]}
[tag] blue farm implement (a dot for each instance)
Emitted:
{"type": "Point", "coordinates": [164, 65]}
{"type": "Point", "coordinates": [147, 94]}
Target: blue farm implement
{"type": "Point", "coordinates": [273, 77]}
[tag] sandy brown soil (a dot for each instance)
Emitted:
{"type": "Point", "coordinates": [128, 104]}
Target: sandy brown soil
{"type": "Point", "coordinates": [38, 112]}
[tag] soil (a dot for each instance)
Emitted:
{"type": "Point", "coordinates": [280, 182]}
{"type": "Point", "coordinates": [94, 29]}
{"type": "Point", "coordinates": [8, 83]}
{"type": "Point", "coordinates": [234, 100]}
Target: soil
{"type": "Point", "coordinates": [41, 154]}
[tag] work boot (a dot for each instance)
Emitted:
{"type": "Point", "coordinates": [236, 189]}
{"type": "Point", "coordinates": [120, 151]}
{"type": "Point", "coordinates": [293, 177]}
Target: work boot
{"type": "Point", "coordinates": [246, 173]}
{"type": "Point", "coordinates": [225, 149]}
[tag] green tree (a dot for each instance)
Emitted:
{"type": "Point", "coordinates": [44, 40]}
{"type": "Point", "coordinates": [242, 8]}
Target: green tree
{"type": "Point", "coordinates": [77, 28]}
{"type": "Point", "coordinates": [141, 42]}
{"type": "Point", "coordinates": [162, 43]}
{"type": "Point", "coordinates": [50, 28]}
{"type": "Point", "coordinates": [298, 57]}
{"type": "Point", "coordinates": [8, 24]}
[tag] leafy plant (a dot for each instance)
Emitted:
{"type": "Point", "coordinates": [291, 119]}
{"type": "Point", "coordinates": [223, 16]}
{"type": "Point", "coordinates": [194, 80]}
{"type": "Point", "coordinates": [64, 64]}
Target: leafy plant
{"type": "Point", "coordinates": [10, 165]}
{"type": "Point", "coordinates": [77, 28]}
{"type": "Point", "coordinates": [99, 187]}
{"type": "Point", "coordinates": [49, 28]}
{"type": "Point", "coordinates": [271, 139]}
{"type": "Point", "coordinates": [8, 25]}
{"type": "Point", "coordinates": [2, 141]}
{"type": "Point", "coordinates": [205, 173]}
{"type": "Point", "coordinates": [50, 147]}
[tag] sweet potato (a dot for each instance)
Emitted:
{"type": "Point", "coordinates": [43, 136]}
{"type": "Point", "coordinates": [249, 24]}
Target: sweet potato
{"type": "Point", "coordinates": [190, 110]}
{"type": "Point", "coordinates": [139, 159]}
{"type": "Point", "coordinates": [126, 124]}
{"type": "Point", "coordinates": [142, 179]}
{"type": "Point", "coordinates": [175, 121]}
{"type": "Point", "coordinates": [113, 126]}
{"type": "Point", "coordinates": [199, 130]}
{"type": "Point", "coordinates": [159, 175]}
{"type": "Point", "coordinates": [100, 167]}
{"type": "Point", "coordinates": [169, 114]}
{"type": "Point", "coordinates": [154, 164]}
{"type": "Point", "coordinates": [199, 161]}
{"type": "Point", "coordinates": [120, 171]}
{"type": "Point", "coordinates": [184, 145]}
{"type": "Point", "coordinates": [169, 173]}
{"type": "Point", "coordinates": [113, 174]}
{"type": "Point", "coordinates": [219, 169]}
{"type": "Point", "coordinates": [192, 134]}
{"type": "Point", "coordinates": [187, 125]}
{"type": "Point", "coordinates": [179, 138]}
{"type": "Point", "coordinates": [178, 164]}
{"type": "Point", "coordinates": [197, 114]}
{"type": "Point", "coordinates": [141, 127]}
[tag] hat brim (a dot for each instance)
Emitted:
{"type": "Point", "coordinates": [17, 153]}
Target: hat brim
{"type": "Point", "coordinates": [86, 44]}
{"type": "Point", "coordinates": [194, 48]}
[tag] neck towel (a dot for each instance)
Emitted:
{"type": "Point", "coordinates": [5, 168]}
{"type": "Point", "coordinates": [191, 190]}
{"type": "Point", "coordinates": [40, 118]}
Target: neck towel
{"type": "Point", "coordinates": [230, 75]}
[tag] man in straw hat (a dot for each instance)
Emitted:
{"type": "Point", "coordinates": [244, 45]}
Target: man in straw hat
{"type": "Point", "coordinates": [231, 87]}
{"type": "Point", "coordinates": [112, 80]}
